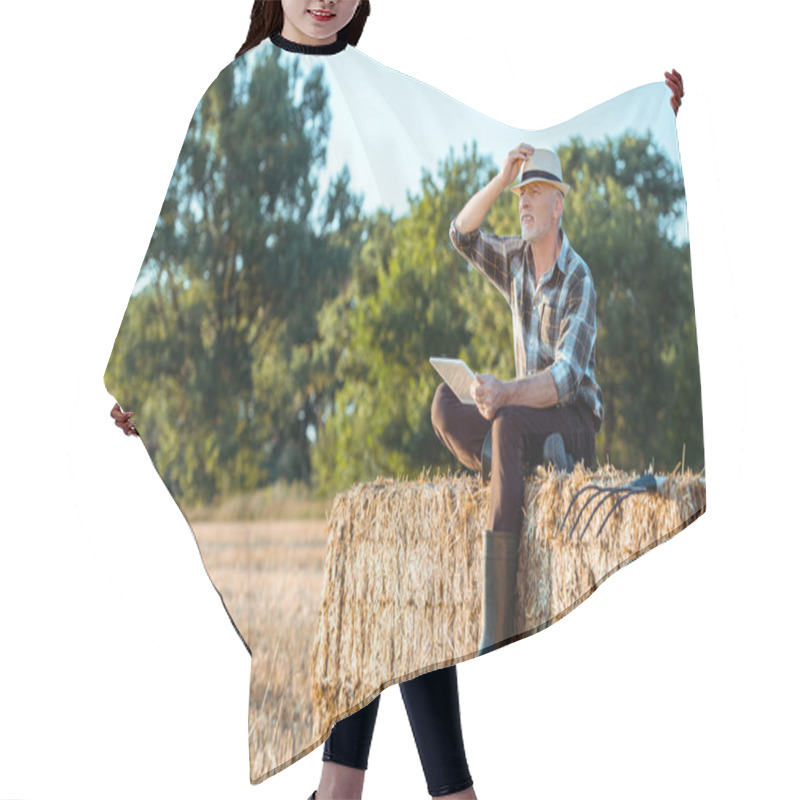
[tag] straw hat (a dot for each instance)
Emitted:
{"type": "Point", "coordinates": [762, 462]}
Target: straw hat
{"type": "Point", "coordinates": [543, 166]}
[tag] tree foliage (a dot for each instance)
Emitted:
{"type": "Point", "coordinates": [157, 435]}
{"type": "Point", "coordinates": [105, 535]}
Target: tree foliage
{"type": "Point", "coordinates": [278, 332]}
{"type": "Point", "coordinates": [620, 215]}
{"type": "Point", "coordinates": [214, 351]}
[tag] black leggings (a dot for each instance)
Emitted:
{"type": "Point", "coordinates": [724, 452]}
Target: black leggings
{"type": "Point", "coordinates": [432, 707]}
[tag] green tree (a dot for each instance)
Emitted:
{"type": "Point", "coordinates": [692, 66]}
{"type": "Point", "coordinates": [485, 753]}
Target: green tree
{"type": "Point", "coordinates": [210, 353]}
{"type": "Point", "coordinates": [414, 297]}
{"type": "Point", "coordinates": [620, 216]}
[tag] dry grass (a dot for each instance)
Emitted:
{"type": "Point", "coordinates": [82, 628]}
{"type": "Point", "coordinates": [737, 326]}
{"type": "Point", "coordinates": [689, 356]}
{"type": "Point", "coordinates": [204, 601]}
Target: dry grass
{"type": "Point", "coordinates": [558, 570]}
{"type": "Point", "coordinates": [270, 575]}
{"type": "Point", "coordinates": [398, 590]}
{"type": "Point", "coordinates": [278, 501]}
{"type": "Point", "coordinates": [403, 572]}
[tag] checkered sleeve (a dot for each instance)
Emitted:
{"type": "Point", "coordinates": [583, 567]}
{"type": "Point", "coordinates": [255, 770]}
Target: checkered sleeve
{"type": "Point", "coordinates": [488, 253]}
{"type": "Point", "coordinates": [576, 337]}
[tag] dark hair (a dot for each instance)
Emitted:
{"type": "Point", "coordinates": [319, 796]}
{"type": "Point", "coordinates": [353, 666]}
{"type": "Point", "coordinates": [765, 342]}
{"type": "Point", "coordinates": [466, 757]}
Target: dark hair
{"type": "Point", "coordinates": [266, 18]}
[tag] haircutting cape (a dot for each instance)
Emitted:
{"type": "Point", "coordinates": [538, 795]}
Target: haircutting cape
{"type": "Point", "coordinates": [275, 352]}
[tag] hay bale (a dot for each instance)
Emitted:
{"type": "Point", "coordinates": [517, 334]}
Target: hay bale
{"type": "Point", "coordinates": [402, 590]}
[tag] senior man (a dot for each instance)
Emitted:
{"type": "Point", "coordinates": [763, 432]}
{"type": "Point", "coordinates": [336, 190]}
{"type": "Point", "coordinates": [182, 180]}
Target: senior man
{"type": "Point", "coordinates": [553, 410]}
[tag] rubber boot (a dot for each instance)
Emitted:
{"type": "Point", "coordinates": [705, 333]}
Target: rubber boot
{"type": "Point", "coordinates": [501, 554]}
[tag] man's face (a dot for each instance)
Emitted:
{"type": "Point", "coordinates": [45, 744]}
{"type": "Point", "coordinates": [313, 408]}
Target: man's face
{"type": "Point", "coordinates": [539, 210]}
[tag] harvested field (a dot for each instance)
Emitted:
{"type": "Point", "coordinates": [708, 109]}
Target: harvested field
{"type": "Point", "coordinates": [391, 586]}
{"type": "Point", "coordinates": [270, 575]}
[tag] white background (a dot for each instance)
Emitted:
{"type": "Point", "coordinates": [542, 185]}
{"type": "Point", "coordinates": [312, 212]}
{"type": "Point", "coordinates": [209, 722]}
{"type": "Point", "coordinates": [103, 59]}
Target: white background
{"type": "Point", "coordinates": [120, 674]}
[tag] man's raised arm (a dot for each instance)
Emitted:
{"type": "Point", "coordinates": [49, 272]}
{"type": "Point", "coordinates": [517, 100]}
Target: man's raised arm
{"type": "Point", "coordinates": [477, 207]}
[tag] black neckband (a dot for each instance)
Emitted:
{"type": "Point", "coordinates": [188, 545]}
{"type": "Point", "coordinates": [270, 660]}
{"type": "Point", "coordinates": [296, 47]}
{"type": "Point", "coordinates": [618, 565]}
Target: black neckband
{"type": "Point", "coordinates": [309, 49]}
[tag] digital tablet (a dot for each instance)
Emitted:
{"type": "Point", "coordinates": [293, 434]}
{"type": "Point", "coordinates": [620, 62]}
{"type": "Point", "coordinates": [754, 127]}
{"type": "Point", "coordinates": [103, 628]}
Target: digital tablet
{"type": "Point", "coordinates": [458, 375]}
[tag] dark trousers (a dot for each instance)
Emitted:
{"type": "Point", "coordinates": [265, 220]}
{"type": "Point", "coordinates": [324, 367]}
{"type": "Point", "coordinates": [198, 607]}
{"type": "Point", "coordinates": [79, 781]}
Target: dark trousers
{"type": "Point", "coordinates": [432, 706]}
{"type": "Point", "coordinates": [518, 434]}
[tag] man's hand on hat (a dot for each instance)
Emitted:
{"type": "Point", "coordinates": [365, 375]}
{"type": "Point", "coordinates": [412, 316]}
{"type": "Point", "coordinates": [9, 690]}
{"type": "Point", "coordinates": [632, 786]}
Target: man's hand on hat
{"type": "Point", "coordinates": [489, 395]}
{"type": "Point", "coordinates": [675, 82]}
{"type": "Point", "coordinates": [514, 161]}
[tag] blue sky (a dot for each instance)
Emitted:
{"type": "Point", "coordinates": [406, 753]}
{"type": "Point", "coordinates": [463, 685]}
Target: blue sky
{"type": "Point", "coordinates": [387, 126]}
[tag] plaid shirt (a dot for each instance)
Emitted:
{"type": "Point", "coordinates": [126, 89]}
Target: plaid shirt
{"type": "Point", "coordinates": [554, 322]}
